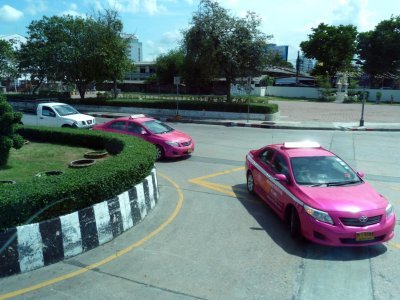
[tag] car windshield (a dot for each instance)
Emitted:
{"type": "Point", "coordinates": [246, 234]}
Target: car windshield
{"type": "Point", "coordinates": [65, 110]}
{"type": "Point", "coordinates": [323, 170]}
{"type": "Point", "coordinates": [157, 127]}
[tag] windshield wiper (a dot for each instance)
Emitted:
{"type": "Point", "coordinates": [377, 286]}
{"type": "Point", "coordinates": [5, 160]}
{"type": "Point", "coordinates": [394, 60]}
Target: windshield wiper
{"type": "Point", "coordinates": [342, 183]}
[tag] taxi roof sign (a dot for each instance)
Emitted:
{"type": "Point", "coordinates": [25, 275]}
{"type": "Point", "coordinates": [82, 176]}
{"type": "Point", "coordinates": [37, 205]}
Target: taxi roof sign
{"type": "Point", "coordinates": [302, 144]}
{"type": "Point", "coordinates": [137, 116]}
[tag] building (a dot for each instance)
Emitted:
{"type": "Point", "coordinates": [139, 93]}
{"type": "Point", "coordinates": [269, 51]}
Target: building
{"type": "Point", "coordinates": [142, 71]}
{"type": "Point", "coordinates": [135, 47]}
{"type": "Point", "coordinates": [282, 51]}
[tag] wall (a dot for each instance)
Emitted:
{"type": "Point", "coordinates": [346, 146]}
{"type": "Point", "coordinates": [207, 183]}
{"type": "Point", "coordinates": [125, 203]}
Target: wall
{"type": "Point", "coordinates": [312, 93]}
{"type": "Point", "coordinates": [28, 247]}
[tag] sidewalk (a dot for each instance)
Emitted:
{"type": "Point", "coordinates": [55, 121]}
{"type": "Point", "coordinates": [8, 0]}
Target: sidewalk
{"type": "Point", "coordinates": [310, 115]}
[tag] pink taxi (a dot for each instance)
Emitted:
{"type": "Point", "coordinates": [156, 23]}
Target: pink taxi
{"type": "Point", "coordinates": [319, 195]}
{"type": "Point", "coordinates": [169, 142]}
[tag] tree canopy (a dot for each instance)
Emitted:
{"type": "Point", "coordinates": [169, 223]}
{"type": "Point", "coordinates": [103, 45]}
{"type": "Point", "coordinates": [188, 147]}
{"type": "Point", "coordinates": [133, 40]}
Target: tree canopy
{"type": "Point", "coordinates": [169, 65]}
{"type": "Point", "coordinates": [219, 44]}
{"type": "Point", "coordinates": [8, 62]}
{"type": "Point", "coordinates": [332, 46]}
{"type": "Point", "coordinates": [75, 50]}
{"type": "Point", "coordinates": [378, 49]}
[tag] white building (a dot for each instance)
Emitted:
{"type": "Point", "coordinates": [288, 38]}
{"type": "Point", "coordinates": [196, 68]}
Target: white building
{"type": "Point", "coordinates": [135, 47]}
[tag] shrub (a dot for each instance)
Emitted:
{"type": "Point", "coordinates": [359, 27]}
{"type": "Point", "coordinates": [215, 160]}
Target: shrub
{"type": "Point", "coordinates": [76, 188]}
{"type": "Point", "coordinates": [8, 122]}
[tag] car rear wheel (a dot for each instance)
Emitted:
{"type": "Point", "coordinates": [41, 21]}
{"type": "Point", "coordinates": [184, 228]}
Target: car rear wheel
{"type": "Point", "coordinates": [250, 182]}
{"type": "Point", "coordinates": [159, 152]}
{"type": "Point", "coordinates": [294, 224]}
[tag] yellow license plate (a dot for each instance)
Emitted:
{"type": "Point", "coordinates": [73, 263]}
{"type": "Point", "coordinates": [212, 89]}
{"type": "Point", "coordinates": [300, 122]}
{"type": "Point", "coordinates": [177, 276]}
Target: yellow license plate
{"type": "Point", "coordinates": [190, 151]}
{"type": "Point", "coordinates": [364, 236]}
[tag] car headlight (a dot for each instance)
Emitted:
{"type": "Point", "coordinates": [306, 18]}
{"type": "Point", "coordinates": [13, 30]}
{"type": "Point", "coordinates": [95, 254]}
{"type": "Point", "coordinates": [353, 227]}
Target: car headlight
{"type": "Point", "coordinates": [389, 210]}
{"type": "Point", "coordinates": [173, 144]}
{"type": "Point", "coordinates": [318, 214]}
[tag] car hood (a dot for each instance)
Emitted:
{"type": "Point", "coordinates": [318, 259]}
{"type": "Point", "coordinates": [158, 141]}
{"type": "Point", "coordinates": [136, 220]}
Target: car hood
{"type": "Point", "coordinates": [353, 198]}
{"type": "Point", "coordinates": [175, 136]}
{"type": "Point", "coordinates": [79, 117]}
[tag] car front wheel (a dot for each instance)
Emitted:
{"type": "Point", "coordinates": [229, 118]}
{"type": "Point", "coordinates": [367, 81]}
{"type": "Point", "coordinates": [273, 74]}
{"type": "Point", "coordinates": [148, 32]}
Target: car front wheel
{"type": "Point", "coordinates": [294, 224]}
{"type": "Point", "coordinates": [159, 152]}
{"type": "Point", "coordinates": [250, 182]}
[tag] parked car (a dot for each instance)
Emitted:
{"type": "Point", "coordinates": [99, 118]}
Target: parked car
{"type": "Point", "coordinates": [56, 114]}
{"type": "Point", "coordinates": [169, 142]}
{"type": "Point", "coordinates": [319, 195]}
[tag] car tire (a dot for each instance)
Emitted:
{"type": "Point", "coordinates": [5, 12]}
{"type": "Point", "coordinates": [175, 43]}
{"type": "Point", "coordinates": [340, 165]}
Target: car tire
{"type": "Point", "coordinates": [159, 152]}
{"type": "Point", "coordinates": [250, 183]}
{"type": "Point", "coordinates": [294, 224]}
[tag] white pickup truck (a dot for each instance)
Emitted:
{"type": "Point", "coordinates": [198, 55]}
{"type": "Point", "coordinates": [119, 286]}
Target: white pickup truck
{"type": "Point", "coordinates": [54, 114]}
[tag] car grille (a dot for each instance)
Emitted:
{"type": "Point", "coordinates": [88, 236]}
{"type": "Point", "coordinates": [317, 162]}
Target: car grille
{"type": "Point", "coordinates": [357, 223]}
{"type": "Point", "coordinates": [184, 144]}
{"type": "Point", "coordinates": [355, 242]}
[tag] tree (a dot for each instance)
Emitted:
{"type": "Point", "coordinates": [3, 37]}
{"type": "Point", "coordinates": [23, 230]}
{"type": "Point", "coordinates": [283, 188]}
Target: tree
{"type": "Point", "coordinates": [115, 48]}
{"type": "Point", "coordinates": [76, 50]}
{"type": "Point", "coordinates": [218, 44]}
{"type": "Point", "coordinates": [332, 46]}
{"type": "Point", "coordinates": [8, 66]}
{"type": "Point", "coordinates": [378, 49]}
{"type": "Point", "coordinates": [8, 138]}
{"type": "Point", "coordinates": [169, 65]}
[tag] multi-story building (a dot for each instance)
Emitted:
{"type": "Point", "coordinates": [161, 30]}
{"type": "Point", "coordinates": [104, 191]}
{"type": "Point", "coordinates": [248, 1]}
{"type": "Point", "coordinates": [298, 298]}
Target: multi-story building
{"type": "Point", "coordinates": [282, 51]}
{"type": "Point", "coordinates": [135, 47]}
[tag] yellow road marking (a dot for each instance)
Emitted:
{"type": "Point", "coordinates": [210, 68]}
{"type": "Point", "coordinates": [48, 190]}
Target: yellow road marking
{"type": "Point", "coordinates": [395, 245]}
{"type": "Point", "coordinates": [107, 259]}
{"type": "Point", "coordinates": [221, 188]}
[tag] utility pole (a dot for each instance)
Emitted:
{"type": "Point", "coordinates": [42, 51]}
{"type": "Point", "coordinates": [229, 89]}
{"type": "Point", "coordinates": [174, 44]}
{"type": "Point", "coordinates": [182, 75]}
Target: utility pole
{"type": "Point", "coordinates": [297, 68]}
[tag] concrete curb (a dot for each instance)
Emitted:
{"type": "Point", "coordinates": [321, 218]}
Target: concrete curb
{"type": "Point", "coordinates": [28, 247]}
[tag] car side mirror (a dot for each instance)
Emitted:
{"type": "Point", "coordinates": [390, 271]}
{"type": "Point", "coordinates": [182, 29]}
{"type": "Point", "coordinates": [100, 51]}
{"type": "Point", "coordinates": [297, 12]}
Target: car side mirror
{"type": "Point", "coordinates": [360, 174]}
{"type": "Point", "coordinates": [144, 132]}
{"type": "Point", "coordinates": [281, 177]}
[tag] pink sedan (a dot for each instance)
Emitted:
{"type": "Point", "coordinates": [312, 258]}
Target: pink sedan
{"type": "Point", "coordinates": [168, 141]}
{"type": "Point", "coordinates": [319, 195]}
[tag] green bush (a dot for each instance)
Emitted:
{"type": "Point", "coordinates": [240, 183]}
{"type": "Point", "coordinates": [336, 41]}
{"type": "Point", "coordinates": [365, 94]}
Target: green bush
{"type": "Point", "coordinates": [76, 188]}
{"type": "Point", "coordinates": [8, 123]}
{"type": "Point", "coordinates": [260, 108]}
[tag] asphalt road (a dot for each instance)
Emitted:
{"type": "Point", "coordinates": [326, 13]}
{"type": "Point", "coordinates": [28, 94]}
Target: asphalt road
{"type": "Point", "coordinates": [209, 239]}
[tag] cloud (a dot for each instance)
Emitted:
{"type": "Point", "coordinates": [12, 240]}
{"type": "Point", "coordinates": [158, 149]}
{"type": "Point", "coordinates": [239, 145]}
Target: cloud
{"type": "Point", "coordinates": [73, 11]}
{"type": "Point", "coordinates": [171, 37]}
{"type": "Point", "coordinates": [151, 7]}
{"type": "Point", "coordinates": [10, 14]}
{"type": "Point", "coordinates": [352, 12]}
{"type": "Point", "coordinates": [34, 7]}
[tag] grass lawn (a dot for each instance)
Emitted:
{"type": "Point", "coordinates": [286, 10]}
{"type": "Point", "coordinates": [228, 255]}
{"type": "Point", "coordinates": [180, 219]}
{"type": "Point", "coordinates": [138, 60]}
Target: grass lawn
{"type": "Point", "coordinates": [33, 158]}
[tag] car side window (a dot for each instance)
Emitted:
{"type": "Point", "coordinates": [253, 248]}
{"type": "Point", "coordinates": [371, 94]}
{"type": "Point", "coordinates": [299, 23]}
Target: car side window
{"type": "Point", "coordinates": [267, 155]}
{"type": "Point", "coordinates": [135, 128]}
{"type": "Point", "coordinates": [280, 165]}
{"type": "Point", "coordinates": [48, 112]}
{"type": "Point", "coordinates": [117, 125]}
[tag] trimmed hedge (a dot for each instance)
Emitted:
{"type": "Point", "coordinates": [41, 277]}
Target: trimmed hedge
{"type": "Point", "coordinates": [260, 108]}
{"type": "Point", "coordinates": [76, 188]}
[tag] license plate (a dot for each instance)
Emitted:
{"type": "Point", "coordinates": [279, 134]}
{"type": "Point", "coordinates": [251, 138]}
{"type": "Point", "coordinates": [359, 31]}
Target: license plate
{"type": "Point", "coordinates": [190, 151]}
{"type": "Point", "coordinates": [364, 236]}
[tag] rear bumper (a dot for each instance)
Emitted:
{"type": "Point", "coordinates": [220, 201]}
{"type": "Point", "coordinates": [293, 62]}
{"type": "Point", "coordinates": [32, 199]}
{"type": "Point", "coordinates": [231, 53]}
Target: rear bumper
{"type": "Point", "coordinates": [331, 235]}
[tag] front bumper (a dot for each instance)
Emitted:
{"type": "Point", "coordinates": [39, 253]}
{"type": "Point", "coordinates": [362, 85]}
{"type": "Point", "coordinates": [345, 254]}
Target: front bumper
{"type": "Point", "coordinates": [339, 235]}
{"type": "Point", "coordinates": [171, 151]}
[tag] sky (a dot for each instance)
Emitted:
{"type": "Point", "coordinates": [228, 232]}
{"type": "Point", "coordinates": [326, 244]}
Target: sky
{"type": "Point", "coordinates": [158, 23]}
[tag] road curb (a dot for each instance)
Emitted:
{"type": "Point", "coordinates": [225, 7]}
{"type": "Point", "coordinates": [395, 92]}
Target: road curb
{"type": "Point", "coordinates": [28, 247]}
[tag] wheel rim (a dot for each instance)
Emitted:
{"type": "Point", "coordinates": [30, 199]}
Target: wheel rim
{"type": "Point", "coordinates": [250, 182]}
{"type": "Point", "coordinates": [158, 152]}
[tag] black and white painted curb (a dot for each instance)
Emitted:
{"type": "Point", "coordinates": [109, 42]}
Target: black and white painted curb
{"type": "Point", "coordinates": [28, 247]}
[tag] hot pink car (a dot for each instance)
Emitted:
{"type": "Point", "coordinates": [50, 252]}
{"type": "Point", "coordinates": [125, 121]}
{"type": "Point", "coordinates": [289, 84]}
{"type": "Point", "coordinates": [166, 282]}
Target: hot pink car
{"type": "Point", "coordinates": [319, 195]}
{"type": "Point", "coordinates": [168, 141]}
